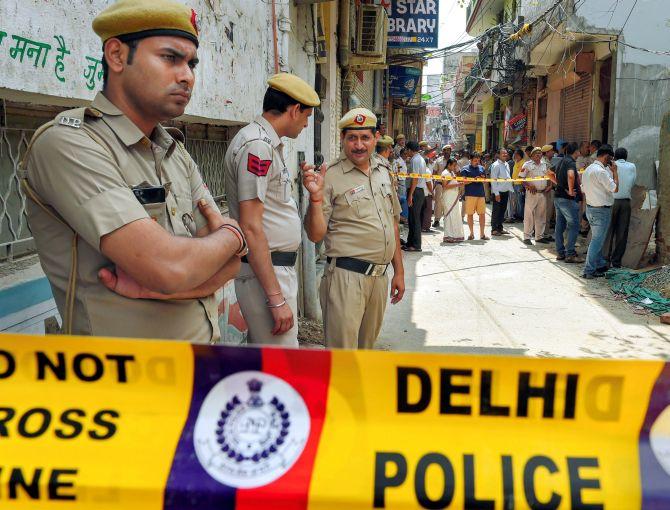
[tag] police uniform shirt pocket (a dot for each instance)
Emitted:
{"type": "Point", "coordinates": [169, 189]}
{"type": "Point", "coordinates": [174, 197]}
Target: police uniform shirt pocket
{"type": "Point", "coordinates": [157, 212]}
{"type": "Point", "coordinates": [387, 194]}
{"type": "Point", "coordinates": [359, 199]}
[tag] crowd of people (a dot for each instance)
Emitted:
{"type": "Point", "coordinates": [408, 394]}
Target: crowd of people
{"type": "Point", "coordinates": [569, 187]}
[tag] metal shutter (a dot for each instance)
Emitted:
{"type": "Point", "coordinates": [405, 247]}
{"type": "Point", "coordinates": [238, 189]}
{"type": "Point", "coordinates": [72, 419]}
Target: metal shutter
{"type": "Point", "coordinates": [576, 110]}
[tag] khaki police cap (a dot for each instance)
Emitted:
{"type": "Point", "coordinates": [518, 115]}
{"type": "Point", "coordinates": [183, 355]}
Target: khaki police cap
{"type": "Point", "coordinates": [444, 148]}
{"type": "Point", "coordinates": [423, 143]}
{"type": "Point", "coordinates": [400, 137]}
{"type": "Point", "coordinates": [295, 87]}
{"type": "Point", "coordinates": [358, 118]}
{"type": "Point", "coordinates": [537, 149]}
{"type": "Point", "coordinates": [128, 20]}
{"type": "Point", "coordinates": [547, 148]}
{"type": "Point", "coordinates": [385, 140]}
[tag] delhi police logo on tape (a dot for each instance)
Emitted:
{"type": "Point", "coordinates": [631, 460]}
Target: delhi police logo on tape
{"type": "Point", "coordinates": [251, 429]}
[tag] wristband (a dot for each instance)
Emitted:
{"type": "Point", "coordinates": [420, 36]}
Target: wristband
{"type": "Point", "coordinates": [240, 237]}
{"type": "Point", "coordinates": [315, 201]}
{"type": "Point", "coordinates": [278, 305]}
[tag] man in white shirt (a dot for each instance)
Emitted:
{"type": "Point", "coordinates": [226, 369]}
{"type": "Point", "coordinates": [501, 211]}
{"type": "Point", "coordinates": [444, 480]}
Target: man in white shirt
{"type": "Point", "coordinates": [500, 191]}
{"type": "Point", "coordinates": [599, 183]}
{"type": "Point", "coordinates": [535, 208]}
{"type": "Point", "coordinates": [617, 235]}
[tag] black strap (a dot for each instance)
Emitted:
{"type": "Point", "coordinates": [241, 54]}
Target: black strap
{"type": "Point", "coordinates": [355, 265]}
{"type": "Point", "coordinates": [280, 258]}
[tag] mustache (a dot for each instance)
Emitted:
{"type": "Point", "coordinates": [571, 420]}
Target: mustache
{"type": "Point", "coordinates": [181, 89]}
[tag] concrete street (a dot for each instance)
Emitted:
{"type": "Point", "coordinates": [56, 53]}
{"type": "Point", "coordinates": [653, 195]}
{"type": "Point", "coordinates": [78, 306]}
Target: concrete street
{"type": "Point", "coordinates": [501, 296]}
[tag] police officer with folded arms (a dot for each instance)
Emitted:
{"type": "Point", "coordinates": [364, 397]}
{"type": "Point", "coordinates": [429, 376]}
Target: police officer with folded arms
{"type": "Point", "coordinates": [127, 233]}
{"type": "Point", "coordinates": [357, 214]}
{"type": "Point", "coordinates": [259, 192]}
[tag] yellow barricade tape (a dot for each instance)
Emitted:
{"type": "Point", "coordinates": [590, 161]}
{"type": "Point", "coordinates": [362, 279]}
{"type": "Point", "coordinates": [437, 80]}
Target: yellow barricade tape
{"type": "Point", "coordinates": [476, 179]}
{"type": "Point", "coordinates": [470, 179]}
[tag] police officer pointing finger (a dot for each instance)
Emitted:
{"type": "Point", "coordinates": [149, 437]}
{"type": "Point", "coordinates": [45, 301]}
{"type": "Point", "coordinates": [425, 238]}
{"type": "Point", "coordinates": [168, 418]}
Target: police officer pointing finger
{"type": "Point", "coordinates": [359, 224]}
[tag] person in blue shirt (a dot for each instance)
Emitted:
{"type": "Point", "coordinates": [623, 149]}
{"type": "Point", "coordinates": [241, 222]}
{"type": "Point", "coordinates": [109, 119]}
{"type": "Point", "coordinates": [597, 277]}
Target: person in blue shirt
{"type": "Point", "coordinates": [474, 196]}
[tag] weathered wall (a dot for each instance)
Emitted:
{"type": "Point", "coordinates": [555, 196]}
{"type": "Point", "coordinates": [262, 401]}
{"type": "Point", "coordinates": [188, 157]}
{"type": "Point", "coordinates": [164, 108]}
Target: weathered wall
{"type": "Point", "coordinates": [235, 54]}
{"type": "Point", "coordinates": [297, 60]}
{"type": "Point", "coordinates": [642, 86]}
{"type": "Point", "coordinates": [641, 79]}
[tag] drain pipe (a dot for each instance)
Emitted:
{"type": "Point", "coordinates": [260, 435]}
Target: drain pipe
{"type": "Point", "coordinates": [344, 35]}
{"type": "Point", "coordinates": [274, 35]}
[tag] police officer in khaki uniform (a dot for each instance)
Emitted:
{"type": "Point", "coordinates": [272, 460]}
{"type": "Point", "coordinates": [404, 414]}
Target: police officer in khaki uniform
{"type": "Point", "coordinates": [126, 231]}
{"type": "Point", "coordinates": [384, 148]}
{"type": "Point", "coordinates": [383, 151]}
{"type": "Point", "coordinates": [258, 187]}
{"type": "Point", "coordinates": [359, 223]}
{"type": "Point", "coordinates": [400, 141]}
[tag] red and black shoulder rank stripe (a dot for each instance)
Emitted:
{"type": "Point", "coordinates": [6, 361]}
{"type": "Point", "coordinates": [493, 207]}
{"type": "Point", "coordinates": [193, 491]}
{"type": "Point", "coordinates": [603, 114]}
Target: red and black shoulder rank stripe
{"type": "Point", "coordinates": [258, 166]}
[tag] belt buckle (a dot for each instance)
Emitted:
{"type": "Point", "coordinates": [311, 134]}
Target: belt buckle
{"type": "Point", "coordinates": [377, 270]}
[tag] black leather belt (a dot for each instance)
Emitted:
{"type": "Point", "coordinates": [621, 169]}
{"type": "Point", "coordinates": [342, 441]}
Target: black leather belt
{"type": "Point", "coordinates": [600, 206]}
{"type": "Point", "coordinates": [280, 258]}
{"type": "Point", "coordinates": [360, 266]}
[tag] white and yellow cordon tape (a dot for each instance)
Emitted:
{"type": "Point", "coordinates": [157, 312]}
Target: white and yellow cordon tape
{"type": "Point", "coordinates": [473, 179]}
{"type": "Point", "coordinates": [470, 179]}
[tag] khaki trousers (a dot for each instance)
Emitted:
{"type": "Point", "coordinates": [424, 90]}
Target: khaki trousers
{"type": "Point", "coordinates": [353, 306]}
{"type": "Point", "coordinates": [437, 198]}
{"type": "Point", "coordinates": [534, 215]}
{"type": "Point", "coordinates": [251, 297]}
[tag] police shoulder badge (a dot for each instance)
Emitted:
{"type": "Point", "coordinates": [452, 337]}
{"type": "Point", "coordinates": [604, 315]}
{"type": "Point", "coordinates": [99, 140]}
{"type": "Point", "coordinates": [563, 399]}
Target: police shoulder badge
{"type": "Point", "coordinates": [251, 429]}
{"type": "Point", "coordinates": [257, 166]}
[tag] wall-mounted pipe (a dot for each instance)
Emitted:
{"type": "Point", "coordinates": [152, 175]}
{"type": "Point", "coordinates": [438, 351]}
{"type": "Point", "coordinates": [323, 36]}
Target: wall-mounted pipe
{"type": "Point", "coordinates": [274, 35]}
{"type": "Point", "coordinates": [344, 35]}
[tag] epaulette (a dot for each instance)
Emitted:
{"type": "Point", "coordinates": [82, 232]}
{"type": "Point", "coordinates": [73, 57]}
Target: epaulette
{"type": "Point", "coordinates": [262, 136]}
{"type": "Point", "coordinates": [75, 118]}
{"type": "Point", "coordinates": [71, 118]}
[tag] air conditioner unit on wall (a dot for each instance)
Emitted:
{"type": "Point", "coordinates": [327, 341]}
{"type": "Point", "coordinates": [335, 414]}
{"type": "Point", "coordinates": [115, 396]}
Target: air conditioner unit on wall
{"type": "Point", "coordinates": [372, 30]}
{"type": "Point", "coordinates": [371, 33]}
